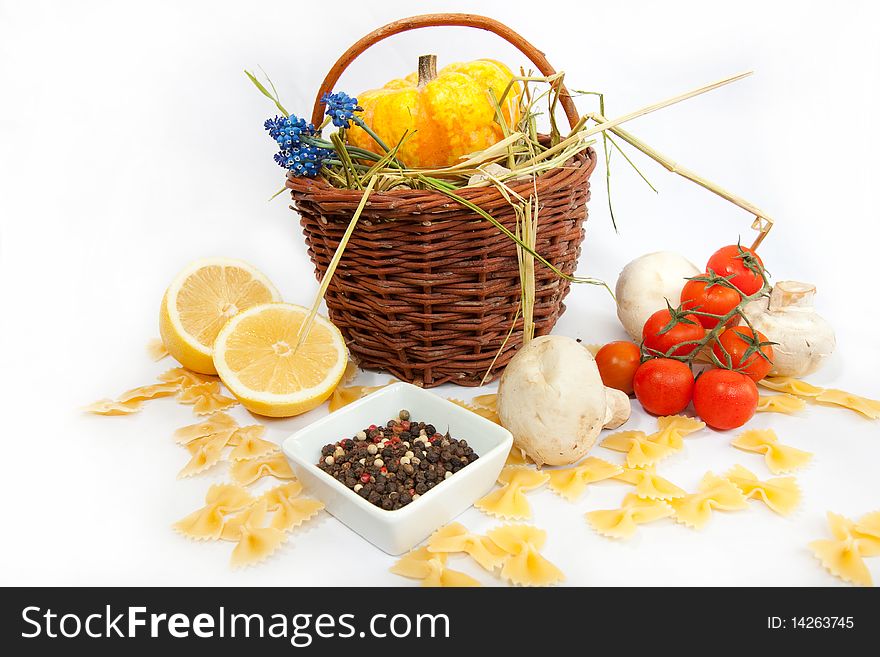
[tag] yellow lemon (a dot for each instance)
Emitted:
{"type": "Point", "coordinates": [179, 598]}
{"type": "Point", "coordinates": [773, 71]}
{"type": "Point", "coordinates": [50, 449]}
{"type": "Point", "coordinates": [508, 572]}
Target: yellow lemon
{"type": "Point", "coordinates": [201, 299]}
{"type": "Point", "coordinates": [254, 355]}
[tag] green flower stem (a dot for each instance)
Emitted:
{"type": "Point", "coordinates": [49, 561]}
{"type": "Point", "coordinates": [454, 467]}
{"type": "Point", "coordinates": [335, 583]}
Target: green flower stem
{"type": "Point", "coordinates": [359, 122]}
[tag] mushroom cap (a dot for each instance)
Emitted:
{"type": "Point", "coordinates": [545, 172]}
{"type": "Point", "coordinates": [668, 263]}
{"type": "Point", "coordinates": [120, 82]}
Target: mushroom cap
{"type": "Point", "coordinates": [551, 398]}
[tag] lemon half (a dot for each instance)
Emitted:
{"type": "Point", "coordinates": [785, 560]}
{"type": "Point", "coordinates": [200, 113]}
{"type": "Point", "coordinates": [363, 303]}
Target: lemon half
{"type": "Point", "coordinates": [254, 356]}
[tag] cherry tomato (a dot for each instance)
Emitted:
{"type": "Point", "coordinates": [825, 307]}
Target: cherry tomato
{"type": "Point", "coordinates": [618, 362]}
{"type": "Point", "coordinates": [725, 399]}
{"type": "Point", "coordinates": [663, 386]}
{"type": "Point", "coordinates": [709, 297]}
{"type": "Point", "coordinates": [664, 330]}
{"type": "Point", "coordinates": [737, 341]}
{"type": "Point", "coordinates": [741, 262]}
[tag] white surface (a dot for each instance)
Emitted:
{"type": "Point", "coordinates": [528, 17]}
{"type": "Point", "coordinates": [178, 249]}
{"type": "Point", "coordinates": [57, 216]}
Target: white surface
{"type": "Point", "coordinates": [396, 532]}
{"type": "Point", "coordinates": [132, 143]}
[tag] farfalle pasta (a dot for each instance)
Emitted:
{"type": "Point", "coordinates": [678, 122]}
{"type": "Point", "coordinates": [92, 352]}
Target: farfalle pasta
{"type": "Point", "coordinates": [249, 443]}
{"type": "Point", "coordinates": [216, 423]}
{"type": "Point", "coordinates": [713, 493]}
{"type": "Point", "coordinates": [113, 407]}
{"type": "Point", "coordinates": [649, 485]}
{"type": "Point", "coordinates": [570, 483]}
{"type": "Point", "coordinates": [782, 403]}
{"type": "Point", "coordinates": [870, 408]}
{"type": "Point", "coordinates": [454, 537]}
{"type": "Point", "coordinates": [633, 511]}
{"type": "Point", "coordinates": [517, 457]}
{"type": "Point", "coordinates": [843, 555]}
{"type": "Point", "coordinates": [430, 567]}
{"type": "Point", "coordinates": [256, 541]}
{"type": "Point", "coordinates": [487, 413]}
{"type": "Point", "coordinates": [206, 398]}
{"type": "Point", "coordinates": [672, 428]}
{"type": "Point", "coordinates": [206, 452]}
{"type": "Point", "coordinates": [791, 386]}
{"type": "Point", "coordinates": [509, 501]}
{"type": "Point", "coordinates": [184, 377]}
{"type": "Point", "coordinates": [780, 458]}
{"type": "Point", "coordinates": [247, 472]}
{"type": "Point", "coordinates": [290, 510]}
{"type": "Point", "coordinates": [640, 450]}
{"type": "Point", "coordinates": [344, 395]}
{"type": "Point", "coordinates": [156, 349]}
{"type": "Point", "coordinates": [523, 564]}
{"type": "Point", "coordinates": [132, 400]}
{"type": "Point", "coordinates": [489, 401]}
{"type": "Point", "coordinates": [781, 494]}
{"type": "Point", "coordinates": [207, 522]}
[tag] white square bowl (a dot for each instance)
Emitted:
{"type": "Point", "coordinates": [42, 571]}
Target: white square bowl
{"type": "Point", "coordinates": [395, 532]}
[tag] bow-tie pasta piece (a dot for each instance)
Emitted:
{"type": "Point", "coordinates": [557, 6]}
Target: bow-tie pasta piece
{"type": "Point", "coordinates": [672, 428]}
{"type": "Point", "coordinates": [867, 532]}
{"type": "Point", "coordinates": [207, 522]}
{"type": "Point", "coordinates": [649, 485]}
{"type": "Point", "coordinates": [634, 511]}
{"type": "Point", "coordinates": [247, 472]}
{"type": "Point", "coordinates": [791, 386]}
{"type": "Point", "coordinates": [216, 423]}
{"type": "Point", "coordinates": [249, 443]}
{"type": "Point", "coordinates": [714, 493]}
{"type": "Point", "coordinates": [517, 457]}
{"type": "Point", "coordinates": [487, 413]}
{"type": "Point", "coordinates": [570, 483]}
{"type": "Point", "coordinates": [640, 450]}
{"type": "Point", "coordinates": [780, 458]}
{"type": "Point", "coordinates": [784, 403]}
{"type": "Point", "coordinates": [112, 407]}
{"type": "Point", "coordinates": [524, 564]}
{"type": "Point", "coordinates": [489, 401]}
{"type": "Point", "coordinates": [870, 408]}
{"type": "Point", "coordinates": [206, 398]}
{"type": "Point", "coordinates": [206, 452]}
{"type": "Point", "coordinates": [781, 494]}
{"type": "Point", "coordinates": [431, 569]}
{"type": "Point", "coordinates": [510, 501]}
{"type": "Point", "coordinates": [842, 555]}
{"type": "Point", "coordinates": [256, 541]}
{"type": "Point", "coordinates": [156, 349]}
{"type": "Point", "coordinates": [144, 393]}
{"type": "Point", "coordinates": [456, 538]}
{"type": "Point", "coordinates": [185, 378]}
{"type": "Point", "coordinates": [344, 395]}
{"type": "Point", "coordinates": [290, 509]}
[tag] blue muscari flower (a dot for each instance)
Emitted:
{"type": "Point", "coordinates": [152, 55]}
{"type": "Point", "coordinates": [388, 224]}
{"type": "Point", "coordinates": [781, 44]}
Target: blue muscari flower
{"type": "Point", "coordinates": [341, 108]}
{"type": "Point", "coordinates": [303, 160]}
{"type": "Point", "coordinates": [287, 131]}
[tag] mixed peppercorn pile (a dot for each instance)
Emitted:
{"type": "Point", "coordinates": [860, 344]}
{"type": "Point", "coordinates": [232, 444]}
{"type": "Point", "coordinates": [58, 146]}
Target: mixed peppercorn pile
{"type": "Point", "coordinates": [393, 465]}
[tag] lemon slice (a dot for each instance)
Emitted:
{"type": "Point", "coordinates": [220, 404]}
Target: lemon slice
{"type": "Point", "coordinates": [254, 355]}
{"type": "Point", "coordinates": [201, 299]}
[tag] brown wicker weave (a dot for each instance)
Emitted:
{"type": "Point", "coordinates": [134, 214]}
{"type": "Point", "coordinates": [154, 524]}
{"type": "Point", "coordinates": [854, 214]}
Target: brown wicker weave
{"type": "Point", "coordinates": [427, 289]}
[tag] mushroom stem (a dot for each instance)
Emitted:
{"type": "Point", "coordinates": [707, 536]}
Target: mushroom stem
{"type": "Point", "coordinates": [427, 69]}
{"type": "Point", "coordinates": [618, 408]}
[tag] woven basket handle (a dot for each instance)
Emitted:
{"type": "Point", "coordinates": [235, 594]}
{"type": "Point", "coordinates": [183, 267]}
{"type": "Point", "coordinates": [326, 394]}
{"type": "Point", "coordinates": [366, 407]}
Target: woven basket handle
{"type": "Point", "coordinates": [437, 20]}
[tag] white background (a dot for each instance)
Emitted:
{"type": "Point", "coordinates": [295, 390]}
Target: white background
{"type": "Point", "coordinates": [131, 143]}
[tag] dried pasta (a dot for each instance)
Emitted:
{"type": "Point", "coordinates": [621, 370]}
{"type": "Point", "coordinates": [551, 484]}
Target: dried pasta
{"type": "Point", "coordinates": [570, 483]}
{"type": "Point", "coordinates": [782, 403]}
{"type": "Point", "coordinates": [184, 377]}
{"type": "Point", "coordinates": [780, 458]}
{"type": "Point", "coordinates": [156, 349]}
{"type": "Point", "coordinates": [132, 400]}
{"type": "Point", "coordinates": [206, 452]}
{"type": "Point", "coordinates": [781, 494]}
{"type": "Point", "coordinates": [290, 509]}
{"type": "Point", "coordinates": [256, 542]}
{"type": "Point", "coordinates": [111, 407]}
{"type": "Point", "coordinates": [634, 511]}
{"type": "Point", "coordinates": [791, 386]}
{"type": "Point", "coordinates": [649, 485]}
{"type": "Point", "coordinates": [672, 428]}
{"type": "Point", "coordinates": [713, 493]}
{"type": "Point", "coordinates": [517, 457]}
{"type": "Point", "coordinates": [487, 413]}
{"type": "Point", "coordinates": [207, 522]}
{"type": "Point", "coordinates": [640, 450]}
{"type": "Point", "coordinates": [431, 569]}
{"type": "Point", "coordinates": [206, 398]}
{"type": "Point", "coordinates": [249, 443]}
{"type": "Point", "coordinates": [344, 395]}
{"type": "Point", "coordinates": [489, 401]}
{"type": "Point", "coordinates": [524, 564]}
{"type": "Point", "coordinates": [843, 555]}
{"type": "Point", "coordinates": [454, 537]}
{"type": "Point", "coordinates": [213, 425]}
{"type": "Point", "coordinates": [247, 472]}
{"type": "Point", "coordinates": [510, 501]}
{"type": "Point", "coordinates": [870, 408]}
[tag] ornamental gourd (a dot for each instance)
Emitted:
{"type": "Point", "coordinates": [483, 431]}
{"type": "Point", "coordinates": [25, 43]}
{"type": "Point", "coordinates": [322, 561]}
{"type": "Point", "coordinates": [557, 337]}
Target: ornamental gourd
{"type": "Point", "coordinates": [445, 115]}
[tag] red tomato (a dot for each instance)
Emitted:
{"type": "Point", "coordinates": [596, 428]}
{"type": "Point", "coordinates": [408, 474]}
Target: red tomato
{"type": "Point", "coordinates": [725, 399]}
{"type": "Point", "coordinates": [618, 362]}
{"type": "Point", "coordinates": [742, 263]}
{"type": "Point", "coordinates": [739, 340]}
{"type": "Point", "coordinates": [664, 330]}
{"type": "Point", "coordinates": [663, 386]}
{"type": "Point", "coordinates": [709, 297]}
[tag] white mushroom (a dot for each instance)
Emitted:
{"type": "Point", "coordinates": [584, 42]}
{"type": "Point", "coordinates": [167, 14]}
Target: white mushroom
{"type": "Point", "coordinates": [645, 285]}
{"type": "Point", "coordinates": [804, 339]}
{"type": "Point", "coordinates": [551, 398]}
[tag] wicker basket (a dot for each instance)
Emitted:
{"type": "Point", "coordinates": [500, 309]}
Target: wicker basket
{"type": "Point", "coordinates": [426, 289]}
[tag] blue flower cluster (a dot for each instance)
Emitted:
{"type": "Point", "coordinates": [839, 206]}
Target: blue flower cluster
{"type": "Point", "coordinates": [341, 108]}
{"type": "Point", "coordinates": [300, 158]}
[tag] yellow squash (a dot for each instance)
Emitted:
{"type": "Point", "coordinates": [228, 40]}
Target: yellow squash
{"type": "Point", "coordinates": [448, 114]}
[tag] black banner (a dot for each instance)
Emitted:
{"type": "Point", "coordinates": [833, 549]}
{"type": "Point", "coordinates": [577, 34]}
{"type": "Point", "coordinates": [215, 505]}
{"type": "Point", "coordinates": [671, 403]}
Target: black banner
{"type": "Point", "coordinates": [334, 621]}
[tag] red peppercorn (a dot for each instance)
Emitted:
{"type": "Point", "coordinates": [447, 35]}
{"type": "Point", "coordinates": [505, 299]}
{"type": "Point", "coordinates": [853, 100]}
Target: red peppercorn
{"type": "Point", "coordinates": [383, 470]}
{"type": "Point", "coordinates": [412, 491]}
{"type": "Point", "coordinates": [365, 478]}
{"type": "Point", "coordinates": [372, 427]}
